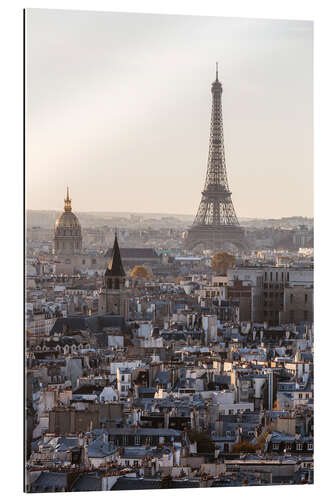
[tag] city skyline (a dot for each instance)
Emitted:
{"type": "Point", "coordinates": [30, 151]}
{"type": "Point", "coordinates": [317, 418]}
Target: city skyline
{"type": "Point", "coordinates": [169, 336]}
{"type": "Point", "coordinates": [88, 129]}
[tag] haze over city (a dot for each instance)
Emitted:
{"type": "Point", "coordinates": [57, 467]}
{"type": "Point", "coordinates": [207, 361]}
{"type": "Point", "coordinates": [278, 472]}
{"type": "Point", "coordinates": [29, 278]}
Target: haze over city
{"type": "Point", "coordinates": [118, 108]}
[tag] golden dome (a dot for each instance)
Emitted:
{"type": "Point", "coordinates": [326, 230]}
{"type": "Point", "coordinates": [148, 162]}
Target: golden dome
{"type": "Point", "coordinates": [67, 223]}
{"type": "Point", "coordinates": [67, 220]}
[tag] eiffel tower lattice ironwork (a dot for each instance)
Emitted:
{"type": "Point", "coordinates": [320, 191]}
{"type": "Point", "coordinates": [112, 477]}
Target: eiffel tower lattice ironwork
{"type": "Point", "coordinates": [216, 221]}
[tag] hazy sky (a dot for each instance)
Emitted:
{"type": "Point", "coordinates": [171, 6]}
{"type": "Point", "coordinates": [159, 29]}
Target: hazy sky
{"type": "Point", "coordinates": [118, 107]}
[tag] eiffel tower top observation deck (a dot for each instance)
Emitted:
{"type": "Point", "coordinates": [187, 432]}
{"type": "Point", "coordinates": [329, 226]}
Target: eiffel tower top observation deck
{"type": "Point", "coordinates": [216, 222]}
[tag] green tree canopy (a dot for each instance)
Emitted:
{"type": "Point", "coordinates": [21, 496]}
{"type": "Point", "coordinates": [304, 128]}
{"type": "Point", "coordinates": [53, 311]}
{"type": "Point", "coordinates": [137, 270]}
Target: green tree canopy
{"type": "Point", "coordinates": [204, 443]}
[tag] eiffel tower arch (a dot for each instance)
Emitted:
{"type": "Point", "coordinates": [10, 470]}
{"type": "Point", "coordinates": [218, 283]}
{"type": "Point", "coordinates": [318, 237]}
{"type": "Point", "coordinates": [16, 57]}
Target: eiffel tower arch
{"type": "Point", "coordinates": [216, 224]}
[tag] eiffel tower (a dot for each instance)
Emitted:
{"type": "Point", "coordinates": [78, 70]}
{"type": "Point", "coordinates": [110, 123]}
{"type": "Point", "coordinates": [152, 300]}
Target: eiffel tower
{"type": "Point", "coordinates": [216, 222]}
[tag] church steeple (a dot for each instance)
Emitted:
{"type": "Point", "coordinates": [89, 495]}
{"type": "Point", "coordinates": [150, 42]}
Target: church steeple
{"type": "Point", "coordinates": [68, 202]}
{"type": "Point", "coordinates": [114, 274]}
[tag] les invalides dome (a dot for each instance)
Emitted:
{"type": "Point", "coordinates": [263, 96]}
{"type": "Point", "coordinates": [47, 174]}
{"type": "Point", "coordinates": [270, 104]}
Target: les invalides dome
{"type": "Point", "coordinates": [67, 231]}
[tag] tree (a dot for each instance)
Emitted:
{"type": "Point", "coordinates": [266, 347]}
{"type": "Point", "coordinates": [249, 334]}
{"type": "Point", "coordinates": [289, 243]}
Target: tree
{"type": "Point", "coordinates": [166, 482]}
{"type": "Point", "coordinates": [261, 441]}
{"type": "Point", "coordinates": [221, 262]}
{"type": "Point", "coordinates": [139, 272]}
{"type": "Point", "coordinates": [178, 280]}
{"type": "Point", "coordinates": [58, 313]}
{"type": "Point", "coordinates": [211, 386]}
{"type": "Point", "coordinates": [204, 443]}
{"type": "Point", "coordinates": [243, 447]}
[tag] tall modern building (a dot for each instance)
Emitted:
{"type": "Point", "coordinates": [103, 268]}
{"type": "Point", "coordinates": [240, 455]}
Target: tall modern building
{"type": "Point", "coordinates": [216, 224]}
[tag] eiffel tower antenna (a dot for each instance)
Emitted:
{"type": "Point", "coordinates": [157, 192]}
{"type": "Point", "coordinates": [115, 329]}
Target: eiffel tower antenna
{"type": "Point", "coordinates": [216, 221]}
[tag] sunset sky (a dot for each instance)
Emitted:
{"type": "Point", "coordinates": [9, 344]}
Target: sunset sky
{"type": "Point", "coordinates": [118, 108]}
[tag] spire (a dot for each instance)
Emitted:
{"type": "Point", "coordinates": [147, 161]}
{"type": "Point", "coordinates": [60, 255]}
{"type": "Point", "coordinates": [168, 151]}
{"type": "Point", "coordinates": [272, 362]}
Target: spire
{"type": "Point", "coordinates": [217, 71]}
{"type": "Point", "coordinates": [115, 267]}
{"type": "Point", "coordinates": [68, 206]}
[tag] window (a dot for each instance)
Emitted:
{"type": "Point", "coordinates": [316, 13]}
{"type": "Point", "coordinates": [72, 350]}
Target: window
{"type": "Point", "coordinates": [306, 298]}
{"type": "Point", "coordinates": [271, 276]}
{"type": "Point", "coordinates": [275, 446]}
{"type": "Point", "coordinates": [277, 276]}
{"type": "Point", "coordinates": [291, 298]}
{"type": "Point", "coordinates": [310, 446]}
{"type": "Point", "coordinates": [125, 440]}
{"type": "Point", "coordinates": [288, 445]}
{"type": "Point", "coordinates": [137, 440]}
{"type": "Point", "coordinates": [299, 446]}
{"type": "Point", "coordinates": [300, 396]}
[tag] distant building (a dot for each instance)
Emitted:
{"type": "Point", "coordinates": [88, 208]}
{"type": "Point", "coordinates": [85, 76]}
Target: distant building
{"type": "Point", "coordinates": [136, 256]}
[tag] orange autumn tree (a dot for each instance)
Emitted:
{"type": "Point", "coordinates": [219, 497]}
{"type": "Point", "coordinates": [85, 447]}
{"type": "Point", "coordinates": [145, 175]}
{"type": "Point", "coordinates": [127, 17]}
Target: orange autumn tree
{"type": "Point", "coordinates": [221, 262]}
{"type": "Point", "coordinates": [243, 447]}
{"type": "Point", "coordinates": [140, 272]}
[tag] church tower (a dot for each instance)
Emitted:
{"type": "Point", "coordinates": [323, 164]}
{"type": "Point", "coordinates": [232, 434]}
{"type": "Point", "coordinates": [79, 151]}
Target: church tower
{"type": "Point", "coordinates": [113, 297]}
